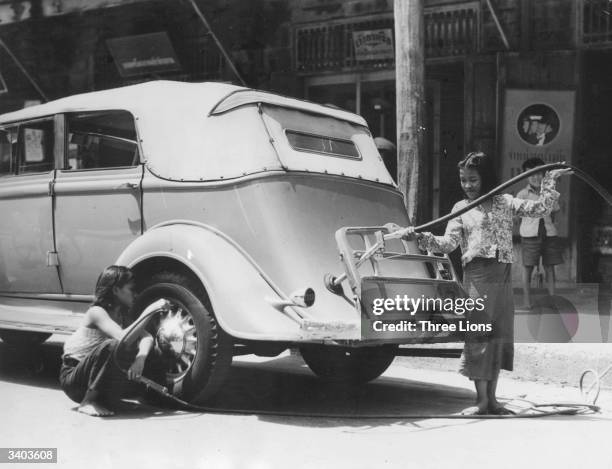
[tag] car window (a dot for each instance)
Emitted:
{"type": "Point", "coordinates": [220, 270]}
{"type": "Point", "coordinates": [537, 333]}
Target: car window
{"type": "Point", "coordinates": [8, 147]}
{"type": "Point", "coordinates": [325, 145]}
{"type": "Point", "coordinates": [101, 140]}
{"type": "Point", "coordinates": [35, 145]}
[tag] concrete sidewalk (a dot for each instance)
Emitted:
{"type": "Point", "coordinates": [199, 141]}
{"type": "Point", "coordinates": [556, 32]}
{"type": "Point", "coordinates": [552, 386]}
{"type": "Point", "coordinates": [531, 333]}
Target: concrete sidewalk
{"type": "Point", "coordinates": [560, 364]}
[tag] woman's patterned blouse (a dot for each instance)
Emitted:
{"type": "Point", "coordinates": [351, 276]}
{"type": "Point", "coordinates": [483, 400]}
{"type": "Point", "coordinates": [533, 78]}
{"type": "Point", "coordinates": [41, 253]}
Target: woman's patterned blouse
{"type": "Point", "coordinates": [484, 233]}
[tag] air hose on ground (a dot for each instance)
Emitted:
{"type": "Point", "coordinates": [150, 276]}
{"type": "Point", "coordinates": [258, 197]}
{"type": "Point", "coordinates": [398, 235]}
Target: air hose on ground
{"type": "Point", "coordinates": [534, 411]}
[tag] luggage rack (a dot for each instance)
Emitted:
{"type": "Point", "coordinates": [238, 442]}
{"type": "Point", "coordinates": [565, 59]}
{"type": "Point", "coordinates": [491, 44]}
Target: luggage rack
{"type": "Point", "coordinates": [401, 264]}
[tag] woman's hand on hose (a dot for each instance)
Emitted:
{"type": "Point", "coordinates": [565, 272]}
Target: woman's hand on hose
{"type": "Point", "coordinates": [142, 321]}
{"type": "Point", "coordinates": [557, 173]}
{"type": "Point", "coordinates": [160, 304]}
{"type": "Point", "coordinates": [396, 231]}
{"type": "Point", "coordinates": [144, 347]}
{"type": "Point", "coordinates": [135, 371]}
{"type": "Point", "coordinates": [408, 233]}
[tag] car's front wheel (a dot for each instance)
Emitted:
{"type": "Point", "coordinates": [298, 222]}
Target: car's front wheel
{"type": "Point", "coordinates": [349, 365]}
{"type": "Point", "coordinates": [192, 354]}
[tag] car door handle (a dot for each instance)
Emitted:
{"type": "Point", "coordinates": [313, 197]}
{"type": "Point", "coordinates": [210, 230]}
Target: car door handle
{"type": "Point", "coordinates": [128, 185]}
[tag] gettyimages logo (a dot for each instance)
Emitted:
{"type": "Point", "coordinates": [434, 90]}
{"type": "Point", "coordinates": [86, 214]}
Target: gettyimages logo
{"type": "Point", "coordinates": [410, 305]}
{"type": "Point", "coordinates": [573, 316]}
{"type": "Point", "coordinates": [408, 317]}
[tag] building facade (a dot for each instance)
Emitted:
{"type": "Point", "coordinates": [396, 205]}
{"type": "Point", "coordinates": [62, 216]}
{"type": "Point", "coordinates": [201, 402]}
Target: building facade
{"type": "Point", "coordinates": [513, 78]}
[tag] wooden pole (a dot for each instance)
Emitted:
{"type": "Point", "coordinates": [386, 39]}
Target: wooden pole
{"type": "Point", "coordinates": [410, 103]}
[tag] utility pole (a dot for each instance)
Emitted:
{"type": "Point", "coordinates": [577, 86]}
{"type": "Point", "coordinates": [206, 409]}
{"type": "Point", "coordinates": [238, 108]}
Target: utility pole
{"type": "Point", "coordinates": [410, 103]}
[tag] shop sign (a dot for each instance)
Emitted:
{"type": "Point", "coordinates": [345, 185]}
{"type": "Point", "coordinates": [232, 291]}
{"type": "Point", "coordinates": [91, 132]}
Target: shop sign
{"type": "Point", "coordinates": [538, 123]}
{"type": "Point", "coordinates": [143, 54]}
{"type": "Point", "coordinates": [373, 45]}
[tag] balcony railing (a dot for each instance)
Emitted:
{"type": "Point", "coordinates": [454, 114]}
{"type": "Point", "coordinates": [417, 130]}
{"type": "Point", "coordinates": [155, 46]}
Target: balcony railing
{"type": "Point", "coordinates": [596, 22]}
{"type": "Point", "coordinates": [450, 31]}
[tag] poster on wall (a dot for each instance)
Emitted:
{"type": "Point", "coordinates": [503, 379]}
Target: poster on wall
{"type": "Point", "coordinates": [539, 123]}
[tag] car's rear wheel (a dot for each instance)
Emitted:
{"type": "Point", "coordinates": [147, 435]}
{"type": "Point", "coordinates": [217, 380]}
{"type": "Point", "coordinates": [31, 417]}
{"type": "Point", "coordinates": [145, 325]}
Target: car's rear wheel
{"type": "Point", "coordinates": [23, 338]}
{"type": "Point", "coordinates": [192, 354]}
{"type": "Point", "coordinates": [348, 365]}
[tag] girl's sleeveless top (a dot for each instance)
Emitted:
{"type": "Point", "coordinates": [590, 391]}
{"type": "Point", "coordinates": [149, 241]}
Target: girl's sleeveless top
{"type": "Point", "coordinates": [83, 341]}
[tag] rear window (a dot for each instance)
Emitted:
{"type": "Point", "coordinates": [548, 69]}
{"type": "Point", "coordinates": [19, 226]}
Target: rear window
{"type": "Point", "coordinates": [321, 144]}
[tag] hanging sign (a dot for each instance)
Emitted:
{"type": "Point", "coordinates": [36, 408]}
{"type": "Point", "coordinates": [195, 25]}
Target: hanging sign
{"type": "Point", "coordinates": [143, 54]}
{"type": "Point", "coordinates": [374, 44]}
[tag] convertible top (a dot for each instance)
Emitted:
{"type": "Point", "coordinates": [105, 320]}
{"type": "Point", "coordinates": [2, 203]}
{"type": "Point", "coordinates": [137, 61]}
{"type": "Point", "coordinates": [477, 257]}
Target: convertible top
{"type": "Point", "coordinates": [209, 97]}
{"type": "Point", "coordinates": [217, 131]}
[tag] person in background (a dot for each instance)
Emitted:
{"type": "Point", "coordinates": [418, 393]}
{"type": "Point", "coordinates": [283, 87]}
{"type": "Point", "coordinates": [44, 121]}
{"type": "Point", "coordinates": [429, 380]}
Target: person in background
{"type": "Point", "coordinates": [485, 236]}
{"type": "Point", "coordinates": [538, 236]}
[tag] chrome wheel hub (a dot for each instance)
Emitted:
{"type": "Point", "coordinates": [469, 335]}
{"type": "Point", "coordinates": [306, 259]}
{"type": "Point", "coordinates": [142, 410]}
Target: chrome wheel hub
{"type": "Point", "coordinates": [177, 339]}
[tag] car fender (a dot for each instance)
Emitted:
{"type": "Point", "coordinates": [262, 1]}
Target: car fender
{"type": "Point", "coordinates": [239, 293]}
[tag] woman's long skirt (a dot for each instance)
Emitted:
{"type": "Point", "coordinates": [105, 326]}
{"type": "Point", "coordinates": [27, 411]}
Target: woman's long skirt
{"type": "Point", "coordinates": [484, 354]}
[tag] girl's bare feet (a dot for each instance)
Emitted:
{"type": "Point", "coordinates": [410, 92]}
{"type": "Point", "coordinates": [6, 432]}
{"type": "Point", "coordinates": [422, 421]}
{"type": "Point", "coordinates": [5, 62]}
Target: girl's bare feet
{"type": "Point", "coordinates": [94, 409]}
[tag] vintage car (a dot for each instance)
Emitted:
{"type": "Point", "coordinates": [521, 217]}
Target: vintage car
{"type": "Point", "coordinates": [249, 211]}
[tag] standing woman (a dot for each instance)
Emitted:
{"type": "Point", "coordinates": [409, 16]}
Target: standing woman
{"type": "Point", "coordinates": [485, 236]}
{"type": "Point", "coordinates": [88, 374]}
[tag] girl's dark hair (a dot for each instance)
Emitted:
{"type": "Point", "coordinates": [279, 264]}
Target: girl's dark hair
{"type": "Point", "coordinates": [484, 165]}
{"type": "Point", "coordinates": [112, 276]}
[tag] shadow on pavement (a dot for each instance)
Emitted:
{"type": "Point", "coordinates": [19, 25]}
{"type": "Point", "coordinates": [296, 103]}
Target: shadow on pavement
{"type": "Point", "coordinates": [34, 365]}
{"type": "Point", "coordinates": [283, 385]}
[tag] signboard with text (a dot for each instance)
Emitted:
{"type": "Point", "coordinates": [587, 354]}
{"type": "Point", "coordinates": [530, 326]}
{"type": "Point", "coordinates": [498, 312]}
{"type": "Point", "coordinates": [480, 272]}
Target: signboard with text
{"type": "Point", "coordinates": [373, 44]}
{"type": "Point", "coordinates": [143, 54]}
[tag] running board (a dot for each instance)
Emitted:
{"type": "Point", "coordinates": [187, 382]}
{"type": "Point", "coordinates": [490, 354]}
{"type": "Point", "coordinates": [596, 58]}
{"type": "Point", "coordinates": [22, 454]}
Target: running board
{"type": "Point", "coordinates": [35, 328]}
{"type": "Point", "coordinates": [41, 315]}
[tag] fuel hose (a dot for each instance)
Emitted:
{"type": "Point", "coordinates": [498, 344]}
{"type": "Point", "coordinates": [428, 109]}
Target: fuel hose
{"type": "Point", "coordinates": [538, 169]}
{"type": "Point", "coordinates": [535, 410]}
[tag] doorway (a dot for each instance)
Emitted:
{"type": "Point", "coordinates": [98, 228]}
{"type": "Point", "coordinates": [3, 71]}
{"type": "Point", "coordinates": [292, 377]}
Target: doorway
{"type": "Point", "coordinates": [595, 156]}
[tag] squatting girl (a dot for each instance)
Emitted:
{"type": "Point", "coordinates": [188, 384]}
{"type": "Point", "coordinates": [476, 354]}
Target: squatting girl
{"type": "Point", "coordinates": [88, 374]}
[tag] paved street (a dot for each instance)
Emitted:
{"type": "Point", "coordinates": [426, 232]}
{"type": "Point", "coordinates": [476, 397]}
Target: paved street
{"type": "Point", "coordinates": [35, 413]}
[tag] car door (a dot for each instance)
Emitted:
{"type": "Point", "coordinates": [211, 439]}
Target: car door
{"type": "Point", "coordinates": [27, 167]}
{"type": "Point", "coordinates": [97, 196]}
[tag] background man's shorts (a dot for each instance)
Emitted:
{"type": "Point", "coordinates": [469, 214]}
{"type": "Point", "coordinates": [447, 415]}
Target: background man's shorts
{"type": "Point", "coordinates": [548, 248]}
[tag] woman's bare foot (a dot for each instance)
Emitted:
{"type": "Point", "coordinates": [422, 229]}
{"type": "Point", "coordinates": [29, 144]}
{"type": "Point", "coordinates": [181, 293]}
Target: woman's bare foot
{"type": "Point", "coordinates": [94, 409]}
{"type": "Point", "coordinates": [481, 408]}
{"type": "Point", "coordinates": [475, 410]}
{"type": "Point", "coordinates": [499, 409]}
